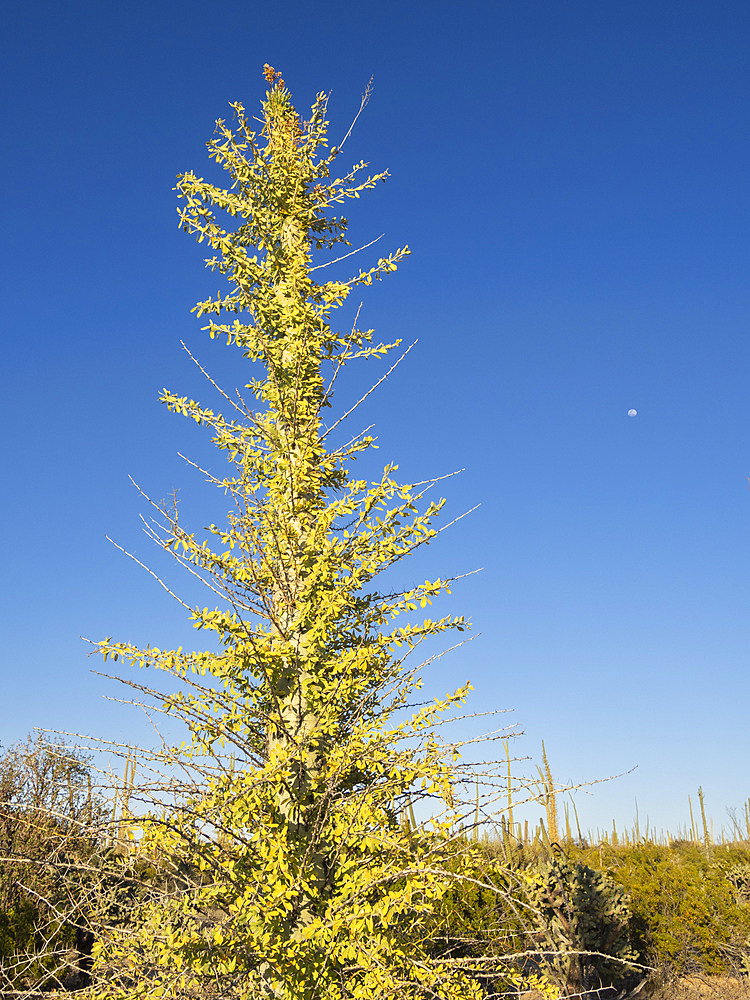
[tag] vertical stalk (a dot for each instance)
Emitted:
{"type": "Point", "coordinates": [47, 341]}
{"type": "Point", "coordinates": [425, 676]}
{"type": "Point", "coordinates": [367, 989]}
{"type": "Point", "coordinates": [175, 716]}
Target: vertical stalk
{"type": "Point", "coordinates": [550, 798]}
{"type": "Point", "coordinates": [693, 831]}
{"type": "Point", "coordinates": [637, 824]}
{"type": "Point", "coordinates": [506, 744]}
{"type": "Point", "coordinates": [578, 825]}
{"type": "Point", "coordinates": [706, 837]}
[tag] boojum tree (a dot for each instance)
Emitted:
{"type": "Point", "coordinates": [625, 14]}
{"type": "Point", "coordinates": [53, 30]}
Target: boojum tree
{"type": "Point", "coordinates": [293, 876]}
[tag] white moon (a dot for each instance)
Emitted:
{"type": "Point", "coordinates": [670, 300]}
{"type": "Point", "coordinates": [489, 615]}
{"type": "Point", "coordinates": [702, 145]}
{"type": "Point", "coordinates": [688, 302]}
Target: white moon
{"type": "Point", "coordinates": [632, 413]}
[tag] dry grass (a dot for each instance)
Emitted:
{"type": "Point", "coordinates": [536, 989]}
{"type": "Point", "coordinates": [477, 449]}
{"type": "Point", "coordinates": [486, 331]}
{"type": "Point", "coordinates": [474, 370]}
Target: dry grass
{"type": "Point", "coordinates": [703, 988]}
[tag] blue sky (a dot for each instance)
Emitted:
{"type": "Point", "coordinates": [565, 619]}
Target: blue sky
{"type": "Point", "coordinates": [572, 180]}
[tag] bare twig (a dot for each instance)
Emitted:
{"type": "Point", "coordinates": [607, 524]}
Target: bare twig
{"type": "Point", "coordinates": [369, 391]}
{"type": "Point", "coordinates": [365, 98]}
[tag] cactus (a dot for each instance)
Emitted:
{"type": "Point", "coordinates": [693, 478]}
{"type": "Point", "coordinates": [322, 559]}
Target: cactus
{"type": "Point", "coordinates": [582, 916]}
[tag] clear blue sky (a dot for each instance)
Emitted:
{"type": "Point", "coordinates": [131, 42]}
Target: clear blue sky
{"type": "Point", "coordinates": [573, 180]}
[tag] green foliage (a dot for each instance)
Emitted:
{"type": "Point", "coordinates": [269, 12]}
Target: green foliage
{"type": "Point", "coordinates": [274, 824]}
{"type": "Point", "coordinates": [26, 955]}
{"type": "Point", "coordinates": [484, 919]}
{"type": "Point", "coordinates": [49, 820]}
{"type": "Point", "coordinates": [689, 904]}
{"type": "Point", "coordinates": [584, 916]}
{"type": "Point", "coordinates": [679, 908]}
{"type": "Point", "coordinates": [471, 913]}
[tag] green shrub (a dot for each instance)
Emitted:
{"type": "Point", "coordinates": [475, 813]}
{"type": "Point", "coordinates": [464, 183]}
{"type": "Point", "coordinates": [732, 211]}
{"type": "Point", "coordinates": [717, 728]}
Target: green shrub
{"type": "Point", "coordinates": [527, 918]}
{"type": "Point", "coordinates": [690, 914]}
{"type": "Point", "coordinates": [483, 919]}
{"type": "Point", "coordinates": [48, 816]}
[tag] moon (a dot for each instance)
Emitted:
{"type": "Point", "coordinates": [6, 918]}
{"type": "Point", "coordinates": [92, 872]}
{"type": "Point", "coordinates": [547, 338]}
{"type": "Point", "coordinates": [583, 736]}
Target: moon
{"type": "Point", "coordinates": [632, 413]}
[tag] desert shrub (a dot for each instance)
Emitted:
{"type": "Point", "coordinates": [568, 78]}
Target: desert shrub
{"type": "Point", "coordinates": [29, 946]}
{"type": "Point", "coordinates": [528, 917]}
{"type": "Point", "coordinates": [482, 915]}
{"type": "Point", "coordinates": [48, 819]}
{"type": "Point", "coordinates": [687, 902]}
